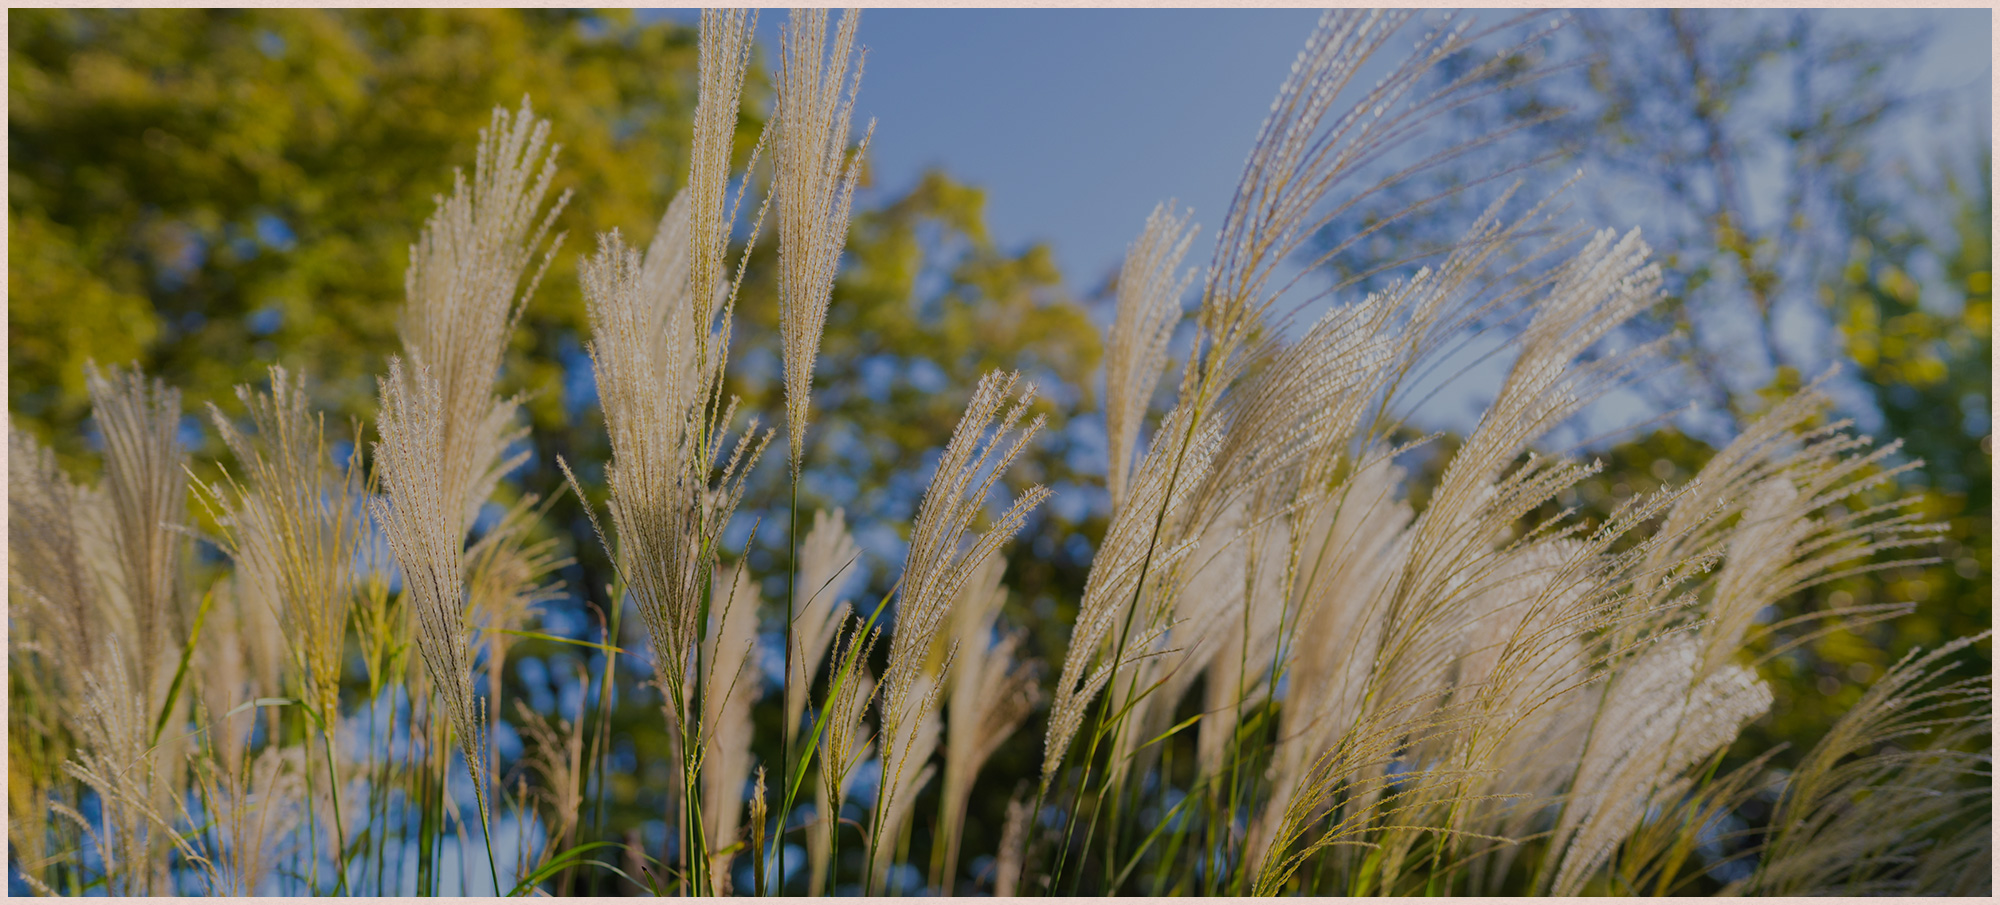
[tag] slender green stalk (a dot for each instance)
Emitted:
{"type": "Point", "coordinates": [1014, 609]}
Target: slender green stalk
{"type": "Point", "coordinates": [832, 849]}
{"type": "Point", "coordinates": [607, 701]}
{"type": "Point", "coordinates": [492, 866]}
{"type": "Point", "coordinates": [1236, 733]}
{"type": "Point", "coordinates": [339, 830]}
{"type": "Point", "coordinates": [312, 822]}
{"type": "Point", "coordinates": [785, 689]}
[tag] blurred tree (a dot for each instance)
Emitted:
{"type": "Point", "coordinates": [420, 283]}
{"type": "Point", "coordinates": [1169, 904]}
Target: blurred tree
{"type": "Point", "coordinates": [1767, 157]}
{"type": "Point", "coordinates": [209, 192]}
{"type": "Point", "coordinates": [1762, 153]}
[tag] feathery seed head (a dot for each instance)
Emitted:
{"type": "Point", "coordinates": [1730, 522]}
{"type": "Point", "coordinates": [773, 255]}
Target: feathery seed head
{"type": "Point", "coordinates": [421, 522]}
{"type": "Point", "coordinates": [936, 572]}
{"type": "Point", "coordinates": [1149, 308]}
{"type": "Point", "coordinates": [145, 484]}
{"type": "Point", "coordinates": [816, 179]}
{"type": "Point", "coordinates": [827, 562]}
{"type": "Point", "coordinates": [465, 292]}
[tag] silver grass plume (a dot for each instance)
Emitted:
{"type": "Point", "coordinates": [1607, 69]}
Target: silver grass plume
{"type": "Point", "coordinates": [1301, 156]}
{"type": "Point", "coordinates": [1872, 811]}
{"type": "Point", "coordinates": [1652, 728]}
{"type": "Point", "coordinates": [1426, 605]}
{"type": "Point", "coordinates": [421, 525]}
{"type": "Point", "coordinates": [554, 751]}
{"type": "Point", "coordinates": [727, 41]}
{"type": "Point", "coordinates": [1453, 544]}
{"type": "Point", "coordinates": [1602, 285]}
{"type": "Point", "coordinates": [671, 493]}
{"type": "Point", "coordinates": [256, 807]}
{"type": "Point", "coordinates": [1013, 849]}
{"type": "Point", "coordinates": [1523, 661]}
{"type": "Point", "coordinates": [846, 743]}
{"type": "Point", "coordinates": [464, 293]}
{"type": "Point", "coordinates": [827, 561]}
{"type": "Point", "coordinates": [1143, 534]}
{"type": "Point", "coordinates": [1352, 549]}
{"type": "Point", "coordinates": [991, 694]}
{"type": "Point", "coordinates": [1791, 534]}
{"type": "Point", "coordinates": [62, 591]}
{"type": "Point", "coordinates": [144, 491]}
{"type": "Point", "coordinates": [1135, 347]}
{"type": "Point", "coordinates": [1306, 154]}
{"type": "Point", "coordinates": [1359, 769]}
{"type": "Point", "coordinates": [294, 529]}
{"type": "Point", "coordinates": [733, 683]}
{"type": "Point", "coordinates": [815, 189]}
{"type": "Point", "coordinates": [145, 484]}
{"type": "Point", "coordinates": [896, 797]}
{"type": "Point", "coordinates": [941, 563]}
{"type": "Point", "coordinates": [1287, 427]}
{"type": "Point", "coordinates": [667, 514]}
{"type": "Point", "coordinates": [116, 758]}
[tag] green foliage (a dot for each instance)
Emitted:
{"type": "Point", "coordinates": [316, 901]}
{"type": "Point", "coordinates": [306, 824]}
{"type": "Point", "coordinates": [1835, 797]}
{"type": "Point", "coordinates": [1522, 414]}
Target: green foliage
{"type": "Point", "coordinates": [206, 191]}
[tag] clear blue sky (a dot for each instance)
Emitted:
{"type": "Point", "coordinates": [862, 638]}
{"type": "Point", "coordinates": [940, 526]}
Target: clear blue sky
{"type": "Point", "coordinates": [1077, 122]}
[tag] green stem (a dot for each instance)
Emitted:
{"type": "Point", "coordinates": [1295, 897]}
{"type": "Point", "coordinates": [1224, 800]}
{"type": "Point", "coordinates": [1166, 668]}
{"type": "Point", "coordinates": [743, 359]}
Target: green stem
{"type": "Point", "coordinates": [424, 809]}
{"type": "Point", "coordinates": [339, 831]}
{"type": "Point", "coordinates": [312, 822]}
{"type": "Point", "coordinates": [832, 845]}
{"type": "Point", "coordinates": [785, 693]}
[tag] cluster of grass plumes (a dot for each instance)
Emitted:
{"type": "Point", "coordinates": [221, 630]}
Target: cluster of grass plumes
{"type": "Point", "coordinates": [1284, 674]}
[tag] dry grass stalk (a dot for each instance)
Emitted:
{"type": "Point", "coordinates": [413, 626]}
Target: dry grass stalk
{"type": "Point", "coordinates": [145, 486]}
{"type": "Point", "coordinates": [827, 561]}
{"type": "Point", "coordinates": [732, 684]}
{"type": "Point", "coordinates": [465, 292]}
{"type": "Point", "coordinates": [815, 188]}
{"type": "Point", "coordinates": [992, 693]}
{"type": "Point", "coordinates": [1135, 347]}
{"type": "Point", "coordinates": [295, 529]}
{"type": "Point", "coordinates": [555, 752]}
{"type": "Point", "coordinates": [1871, 812]}
{"type": "Point", "coordinates": [845, 745]}
{"type": "Point", "coordinates": [61, 590]}
{"type": "Point", "coordinates": [257, 807]}
{"type": "Point", "coordinates": [940, 564]}
{"type": "Point", "coordinates": [421, 525]}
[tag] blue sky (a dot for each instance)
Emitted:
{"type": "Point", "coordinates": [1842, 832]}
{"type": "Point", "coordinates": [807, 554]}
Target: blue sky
{"type": "Point", "coordinates": [1077, 122]}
